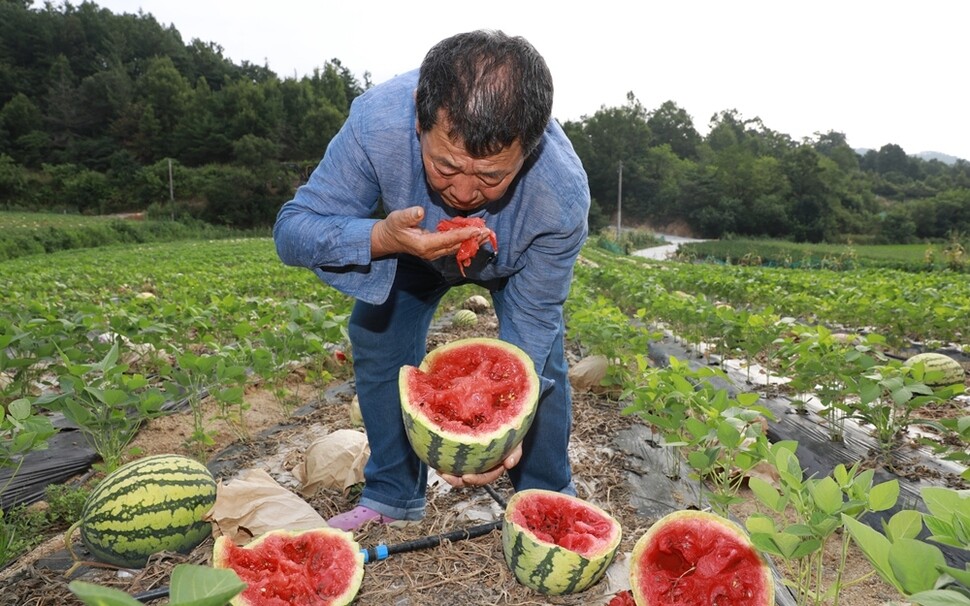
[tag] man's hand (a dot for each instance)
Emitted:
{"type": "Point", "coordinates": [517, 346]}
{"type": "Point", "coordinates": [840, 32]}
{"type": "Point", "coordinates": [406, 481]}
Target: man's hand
{"type": "Point", "coordinates": [486, 477]}
{"type": "Point", "coordinates": [400, 232]}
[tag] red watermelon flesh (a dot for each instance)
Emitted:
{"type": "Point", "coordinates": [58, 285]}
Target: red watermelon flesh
{"type": "Point", "coordinates": [320, 567]}
{"type": "Point", "coordinates": [693, 560]}
{"type": "Point", "coordinates": [562, 522]}
{"type": "Point", "coordinates": [473, 387]}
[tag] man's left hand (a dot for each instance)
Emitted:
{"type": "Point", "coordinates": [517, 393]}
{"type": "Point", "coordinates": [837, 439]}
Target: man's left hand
{"type": "Point", "coordinates": [486, 477]}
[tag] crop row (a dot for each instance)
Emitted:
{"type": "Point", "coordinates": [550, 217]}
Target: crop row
{"type": "Point", "coordinates": [899, 305]}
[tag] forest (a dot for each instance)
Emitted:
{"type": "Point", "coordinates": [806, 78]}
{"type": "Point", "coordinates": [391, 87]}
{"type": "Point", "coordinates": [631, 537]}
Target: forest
{"type": "Point", "coordinates": [105, 113]}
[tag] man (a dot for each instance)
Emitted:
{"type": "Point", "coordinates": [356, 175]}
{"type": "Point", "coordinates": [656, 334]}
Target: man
{"type": "Point", "coordinates": [468, 134]}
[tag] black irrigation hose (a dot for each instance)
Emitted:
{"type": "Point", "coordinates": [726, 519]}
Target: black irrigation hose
{"type": "Point", "coordinates": [152, 594]}
{"type": "Point", "coordinates": [382, 552]}
{"type": "Point", "coordinates": [498, 498]}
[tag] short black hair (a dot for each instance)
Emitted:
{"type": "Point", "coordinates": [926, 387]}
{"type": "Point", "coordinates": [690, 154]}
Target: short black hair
{"type": "Point", "coordinates": [494, 89]}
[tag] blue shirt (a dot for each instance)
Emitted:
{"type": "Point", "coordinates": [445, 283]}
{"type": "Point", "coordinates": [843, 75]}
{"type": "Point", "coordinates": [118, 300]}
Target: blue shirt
{"type": "Point", "coordinates": [540, 223]}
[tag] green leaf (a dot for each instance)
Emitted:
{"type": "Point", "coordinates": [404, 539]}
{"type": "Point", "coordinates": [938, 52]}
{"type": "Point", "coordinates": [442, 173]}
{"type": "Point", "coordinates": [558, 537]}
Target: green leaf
{"type": "Point", "coordinates": [940, 597]}
{"type": "Point", "coordinates": [728, 435]}
{"type": "Point", "coordinates": [874, 546]}
{"type": "Point", "coordinates": [766, 493]}
{"type": "Point", "coordinates": [962, 576]}
{"type": "Point", "coordinates": [747, 399]}
{"type": "Point", "coordinates": [826, 494]}
{"type": "Point", "coordinates": [944, 502]}
{"type": "Point", "coordinates": [766, 544]}
{"type": "Point", "coordinates": [19, 409]}
{"type": "Point", "coordinates": [194, 585]}
{"type": "Point", "coordinates": [883, 496]}
{"type": "Point", "coordinates": [96, 595]}
{"type": "Point", "coordinates": [760, 523]}
{"type": "Point", "coordinates": [915, 564]}
{"type": "Point", "coordinates": [787, 544]}
{"type": "Point", "coordinates": [805, 548]}
{"type": "Point", "coordinates": [788, 468]}
{"type": "Point", "coordinates": [905, 524]}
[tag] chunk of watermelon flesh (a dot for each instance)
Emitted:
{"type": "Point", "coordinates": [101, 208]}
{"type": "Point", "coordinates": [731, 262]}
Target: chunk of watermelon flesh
{"type": "Point", "coordinates": [696, 564]}
{"type": "Point", "coordinates": [623, 598]}
{"type": "Point", "coordinates": [306, 570]}
{"type": "Point", "coordinates": [470, 390]}
{"type": "Point", "coordinates": [564, 523]}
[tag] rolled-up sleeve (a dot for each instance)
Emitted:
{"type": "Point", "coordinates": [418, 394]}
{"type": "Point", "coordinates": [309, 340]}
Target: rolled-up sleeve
{"type": "Point", "coordinates": [327, 225]}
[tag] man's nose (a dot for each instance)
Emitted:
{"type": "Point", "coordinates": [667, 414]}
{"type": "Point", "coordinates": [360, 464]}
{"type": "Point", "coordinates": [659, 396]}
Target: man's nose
{"type": "Point", "coordinates": [464, 189]}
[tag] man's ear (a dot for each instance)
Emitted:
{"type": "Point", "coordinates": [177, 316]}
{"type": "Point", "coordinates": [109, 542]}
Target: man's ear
{"type": "Point", "coordinates": [417, 123]}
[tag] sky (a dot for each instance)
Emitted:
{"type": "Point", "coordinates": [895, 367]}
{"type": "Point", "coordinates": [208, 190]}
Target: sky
{"type": "Point", "coordinates": [880, 72]}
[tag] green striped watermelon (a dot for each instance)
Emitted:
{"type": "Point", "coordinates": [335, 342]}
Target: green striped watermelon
{"type": "Point", "coordinates": [557, 544]}
{"type": "Point", "coordinates": [150, 505]}
{"type": "Point", "coordinates": [698, 558]}
{"type": "Point", "coordinates": [316, 567]}
{"type": "Point", "coordinates": [941, 368]}
{"type": "Point", "coordinates": [469, 404]}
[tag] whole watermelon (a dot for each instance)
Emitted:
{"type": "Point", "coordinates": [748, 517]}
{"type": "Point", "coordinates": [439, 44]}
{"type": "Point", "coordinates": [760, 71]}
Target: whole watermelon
{"type": "Point", "coordinates": [152, 504]}
{"type": "Point", "coordinates": [940, 370]}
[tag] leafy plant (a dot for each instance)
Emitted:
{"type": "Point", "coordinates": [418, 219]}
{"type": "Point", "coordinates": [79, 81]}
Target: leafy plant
{"type": "Point", "coordinates": [889, 394]}
{"type": "Point", "coordinates": [106, 403]}
{"type": "Point", "coordinates": [718, 435]}
{"type": "Point", "coordinates": [198, 376]}
{"type": "Point", "coordinates": [917, 569]}
{"type": "Point", "coordinates": [191, 585]}
{"type": "Point", "coordinates": [22, 430]}
{"type": "Point", "coordinates": [830, 368]}
{"type": "Point", "coordinates": [818, 508]}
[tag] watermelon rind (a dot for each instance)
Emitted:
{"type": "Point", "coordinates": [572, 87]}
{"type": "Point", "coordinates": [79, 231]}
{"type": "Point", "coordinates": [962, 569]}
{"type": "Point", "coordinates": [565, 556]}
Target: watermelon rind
{"type": "Point", "coordinates": [147, 506]}
{"type": "Point", "coordinates": [752, 577]}
{"type": "Point", "coordinates": [951, 373]}
{"type": "Point", "coordinates": [464, 317]}
{"type": "Point", "coordinates": [349, 571]}
{"type": "Point", "coordinates": [547, 567]}
{"type": "Point", "coordinates": [457, 453]}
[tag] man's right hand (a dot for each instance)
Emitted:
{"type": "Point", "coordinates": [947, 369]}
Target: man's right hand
{"type": "Point", "coordinates": [400, 232]}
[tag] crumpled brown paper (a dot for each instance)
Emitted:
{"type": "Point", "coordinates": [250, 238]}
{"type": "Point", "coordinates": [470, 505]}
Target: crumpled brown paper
{"type": "Point", "coordinates": [254, 503]}
{"type": "Point", "coordinates": [588, 374]}
{"type": "Point", "coordinates": [334, 461]}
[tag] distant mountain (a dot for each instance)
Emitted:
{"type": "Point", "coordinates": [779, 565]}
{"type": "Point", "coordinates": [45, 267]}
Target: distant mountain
{"type": "Point", "coordinates": [931, 155]}
{"type": "Point", "coordinates": [926, 155]}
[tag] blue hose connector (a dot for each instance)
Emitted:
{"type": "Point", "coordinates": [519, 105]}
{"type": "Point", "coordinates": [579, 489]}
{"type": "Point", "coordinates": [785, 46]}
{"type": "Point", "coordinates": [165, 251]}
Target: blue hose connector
{"type": "Point", "coordinates": [376, 554]}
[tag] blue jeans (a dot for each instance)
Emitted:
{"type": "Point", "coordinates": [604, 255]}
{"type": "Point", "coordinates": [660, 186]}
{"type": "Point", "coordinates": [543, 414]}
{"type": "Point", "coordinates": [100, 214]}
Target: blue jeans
{"type": "Point", "coordinates": [387, 336]}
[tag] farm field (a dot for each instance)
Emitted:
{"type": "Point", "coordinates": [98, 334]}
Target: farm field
{"type": "Point", "coordinates": [910, 257]}
{"type": "Point", "coordinates": [238, 323]}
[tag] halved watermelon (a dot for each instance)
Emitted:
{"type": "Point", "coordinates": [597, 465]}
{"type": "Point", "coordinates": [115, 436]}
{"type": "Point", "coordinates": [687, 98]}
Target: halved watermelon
{"type": "Point", "coordinates": [698, 558]}
{"type": "Point", "coordinates": [318, 567]}
{"type": "Point", "coordinates": [557, 544]}
{"type": "Point", "coordinates": [469, 404]}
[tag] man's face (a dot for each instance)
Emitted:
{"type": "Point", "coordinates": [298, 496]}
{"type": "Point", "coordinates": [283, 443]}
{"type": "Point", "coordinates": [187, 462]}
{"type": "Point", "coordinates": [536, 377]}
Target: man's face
{"type": "Point", "coordinates": [464, 182]}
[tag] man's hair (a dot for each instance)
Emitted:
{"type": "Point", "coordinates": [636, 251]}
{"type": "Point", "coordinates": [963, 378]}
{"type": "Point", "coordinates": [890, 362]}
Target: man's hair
{"type": "Point", "coordinates": [493, 88]}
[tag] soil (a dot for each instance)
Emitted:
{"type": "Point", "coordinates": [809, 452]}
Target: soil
{"type": "Point", "coordinates": [469, 571]}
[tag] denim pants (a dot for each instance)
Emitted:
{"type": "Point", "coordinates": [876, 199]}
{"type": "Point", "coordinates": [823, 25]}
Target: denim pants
{"type": "Point", "coordinates": [387, 336]}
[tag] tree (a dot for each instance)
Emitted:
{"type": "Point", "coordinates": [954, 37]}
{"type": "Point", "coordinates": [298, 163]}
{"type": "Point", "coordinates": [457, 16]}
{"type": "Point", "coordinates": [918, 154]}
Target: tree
{"type": "Point", "coordinates": [673, 126]}
{"type": "Point", "coordinates": [835, 146]}
{"type": "Point", "coordinates": [813, 208]}
{"type": "Point", "coordinates": [608, 137]}
{"type": "Point", "coordinates": [164, 94]}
